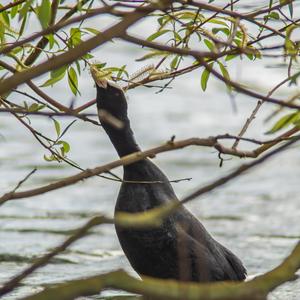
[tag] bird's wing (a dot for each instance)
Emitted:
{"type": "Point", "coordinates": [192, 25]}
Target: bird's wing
{"type": "Point", "coordinates": [220, 262]}
{"type": "Point", "coordinates": [198, 261]}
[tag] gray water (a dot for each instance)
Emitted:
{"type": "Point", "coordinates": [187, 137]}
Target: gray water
{"type": "Point", "coordinates": [256, 216]}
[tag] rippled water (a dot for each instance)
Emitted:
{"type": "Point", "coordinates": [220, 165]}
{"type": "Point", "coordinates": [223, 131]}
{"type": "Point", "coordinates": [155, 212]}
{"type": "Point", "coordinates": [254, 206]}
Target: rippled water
{"type": "Point", "coordinates": [257, 216]}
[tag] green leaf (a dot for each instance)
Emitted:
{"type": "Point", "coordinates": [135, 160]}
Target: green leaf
{"type": "Point", "coordinates": [218, 21]}
{"type": "Point", "coordinates": [116, 69]}
{"type": "Point", "coordinates": [225, 74]}
{"type": "Point", "coordinates": [14, 11]}
{"type": "Point", "coordinates": [73, 80]}
{"type": "Point", "coordinates": [157, 34]}
{"type": "Point", "coordinates": [87, 56]}
{"type": "Point", "coordinates": [283, 2]}
{"type": "Point", "coordinates": [273, 15]}
{"type": "Point", "coordinates": [2, 32]}
{"type": "Point", "coordinates": [51, 81]}
{"type": "Point", "coordinates": [188, 15]}
{"type": "Point", "coordinates": [174, 62]}
{"type": "Point", "coordinates": [100, 65]}
{"type": "Point", "coordinates": [294, 79]}
{"type": "Point", "coordinates": [58, 72]}
{"type": "Point", "coordinates": [250, 56]}
{"type": "Point", "coordinates": [23, 24]}
{"type": "Point", "coordinates": [24, 10]}
{"type": "Point", "coordinates": [33, 107]}
{"type": "Point", "coordinates": [290, 46]}
{"type": "Point", "coordinates": [209, 44]}
{"type": "Point", "coordinates": [75, 36]}
{"type": "Point", "coordinates": [92, 30]}
{"type": "Point", "coordinates": [49, 158]}
{"type": "Point", "coordinates": [177, 37]}
{"type": "Point", "coordinates": [65, 147]}
{"type": "Point", "coordinates": [57, 127]}
{"type": "Point", "coordinates": [55, 76]}
{"type": "Point", "coordinates": [51, 39]}
{"type": "Point", "coordinates": [285, 121]}
{"type": "Point", "coordinates": [154, 54]}
{"type": "Point", "coordinates": [4, 18]}
{"type": "Point", "coordinates": [78, 67]}
{"type": "Point", "coordinates": [44, 13]}
{"type": "Point", "coordinates": [291, 9]}
{"type": "Point", "coordinates": [121, 71]}
{"type": "Point", "coordinates": [204, 78]}
{"type": "Point", "coordinates": [226, 31]}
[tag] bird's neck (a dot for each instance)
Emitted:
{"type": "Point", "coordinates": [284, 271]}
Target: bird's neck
{"type": "Point", "coordinates": [122, 139]}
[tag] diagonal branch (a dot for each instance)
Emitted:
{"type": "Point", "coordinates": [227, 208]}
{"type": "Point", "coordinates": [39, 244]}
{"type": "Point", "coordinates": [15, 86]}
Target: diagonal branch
{"type": "Point", "coordinates": [134, 157]}
{"type": "Point", "coordinates": [48, 99]}
{"type": "Point", "coordinates": [43, 42]}
{"type": "Point", "coordinates": [10, 5]}
{"type": "Point", "coordinates": [78, 51]}
{"type": "Point", "coordinates": [52, 29]}
{"type": "Point", "coordinates": [81, 232]}
{"type": "Point", "coordinates": [256, 109]}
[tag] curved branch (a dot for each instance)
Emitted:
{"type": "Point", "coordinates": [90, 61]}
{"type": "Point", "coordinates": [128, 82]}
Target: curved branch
{"type": "Point", "coordinates": [257, 288]}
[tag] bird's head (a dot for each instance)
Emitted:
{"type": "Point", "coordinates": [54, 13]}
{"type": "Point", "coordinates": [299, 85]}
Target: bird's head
{"type": "Point", "coordinates": [110, 98]}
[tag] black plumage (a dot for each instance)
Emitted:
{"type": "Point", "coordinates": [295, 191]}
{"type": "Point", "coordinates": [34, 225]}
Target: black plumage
{"type": "Point", "coordinates": [181, 248]}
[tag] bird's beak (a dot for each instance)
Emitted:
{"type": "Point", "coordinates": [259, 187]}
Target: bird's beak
{"type": "Point", "coordinates": [101, 82]}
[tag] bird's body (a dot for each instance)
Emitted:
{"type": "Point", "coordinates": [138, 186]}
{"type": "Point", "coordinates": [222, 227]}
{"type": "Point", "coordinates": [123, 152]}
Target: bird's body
{"type": "Point", "coordinates": [180, 248]}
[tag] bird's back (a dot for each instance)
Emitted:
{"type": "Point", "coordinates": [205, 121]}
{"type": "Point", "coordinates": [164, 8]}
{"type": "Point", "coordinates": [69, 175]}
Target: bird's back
{"type": "Point", "coordinates": [181, 248]}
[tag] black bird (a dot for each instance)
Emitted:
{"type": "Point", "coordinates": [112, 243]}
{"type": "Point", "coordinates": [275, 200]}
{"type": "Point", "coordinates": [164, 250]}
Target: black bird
{"type": "Point", "coordinates": [180, 248]}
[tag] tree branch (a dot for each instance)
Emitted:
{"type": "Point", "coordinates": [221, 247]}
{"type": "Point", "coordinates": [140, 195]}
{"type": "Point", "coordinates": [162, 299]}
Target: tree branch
{"type": "Point", "coordinates": [257, 288]}
{"type": "Point", "coordinates": [10, 5]}
{"type": "Point", "coordinates": [44, 41]}
{"type": "Point", "coordinates": [12, 283]}
{"type": "Point", "coordinates": [78, 51]}
{"type": "Point", "coordinates": [134, 157]}
{"type": "Point", "coordinates": [48, 99]}
{"type": "Point", "coordinates": [200, 57]}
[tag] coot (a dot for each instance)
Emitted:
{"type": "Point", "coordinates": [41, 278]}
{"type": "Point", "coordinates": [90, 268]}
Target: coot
{"type": "Point", "coordinates": [180, 248]}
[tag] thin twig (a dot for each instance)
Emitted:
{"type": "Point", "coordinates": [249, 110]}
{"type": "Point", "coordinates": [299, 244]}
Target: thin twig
{"type": "Point", "coordinates": [10, 5]}
{"type": "Point", "coordinates": [23, 180]}
{"type": "Point", "coordinates": [256, 109]}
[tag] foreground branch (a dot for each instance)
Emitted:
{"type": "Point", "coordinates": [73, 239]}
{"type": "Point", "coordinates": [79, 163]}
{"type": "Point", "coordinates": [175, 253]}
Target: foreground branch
{"type": "Point", "coordinates": [11, 284]}
{"type": "Point", "coordinates": [257, 288]}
